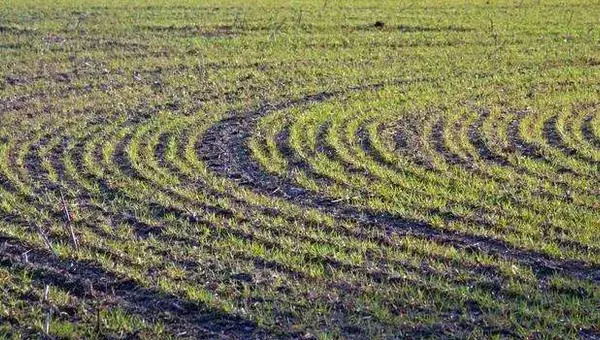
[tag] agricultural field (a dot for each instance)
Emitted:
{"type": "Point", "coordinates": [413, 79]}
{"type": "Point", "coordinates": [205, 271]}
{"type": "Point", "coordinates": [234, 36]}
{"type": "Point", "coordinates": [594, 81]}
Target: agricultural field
{"type": "Point", "coordinates": [300, 169]}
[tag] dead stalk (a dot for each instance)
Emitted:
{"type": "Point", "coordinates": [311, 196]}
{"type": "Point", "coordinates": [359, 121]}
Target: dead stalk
{"type": "Point", "coordinates": [69, 220]}
{"type": "Point", "coordinates": [46, 240]}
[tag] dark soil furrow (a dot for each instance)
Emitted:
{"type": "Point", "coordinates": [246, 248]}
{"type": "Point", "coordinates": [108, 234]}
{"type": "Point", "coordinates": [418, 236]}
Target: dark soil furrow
{"type": "Point", "coordinates": [88, 281]}
{"type": "Point", "coordinates": [588, 132]}
{"type": "Point", "coordinates": [554, 139]}
{"type": "Point", "coordinates": [224, 149]}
